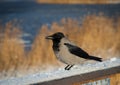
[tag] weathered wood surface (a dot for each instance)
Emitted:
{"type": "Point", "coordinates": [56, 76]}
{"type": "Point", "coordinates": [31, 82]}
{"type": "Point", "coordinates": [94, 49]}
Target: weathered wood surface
{"type": "Point", "coordinates": [83, 77]}
{"type": "Point", "coordinates": [113, 79]}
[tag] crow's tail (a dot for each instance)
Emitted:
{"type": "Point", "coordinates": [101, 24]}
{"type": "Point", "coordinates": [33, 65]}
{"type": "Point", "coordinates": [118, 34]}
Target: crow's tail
{"type": "Point", "coordinates": [96, 58]}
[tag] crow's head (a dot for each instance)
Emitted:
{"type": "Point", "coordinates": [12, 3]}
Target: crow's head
{"type": "Point", "coordinates": [56, 36]}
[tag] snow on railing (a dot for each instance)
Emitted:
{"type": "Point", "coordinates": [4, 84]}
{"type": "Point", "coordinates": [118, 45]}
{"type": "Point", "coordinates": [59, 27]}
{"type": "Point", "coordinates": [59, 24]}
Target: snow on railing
{"type": "Point", "coordinates": [60, 76]}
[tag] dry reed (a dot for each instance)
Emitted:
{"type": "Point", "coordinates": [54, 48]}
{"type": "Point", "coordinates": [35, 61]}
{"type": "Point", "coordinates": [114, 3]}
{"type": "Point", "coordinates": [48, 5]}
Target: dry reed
{"type": "Point", "coordinates": [79, 1]}
{"type": "Point", "coordinates": [98, 35]}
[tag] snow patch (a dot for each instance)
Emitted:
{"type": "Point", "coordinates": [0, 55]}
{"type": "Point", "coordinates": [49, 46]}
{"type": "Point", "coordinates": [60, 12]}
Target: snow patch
{"type": "Point", "coordinates": [113, 59]}
{"type": "Point", "coordinates": [61, 73]}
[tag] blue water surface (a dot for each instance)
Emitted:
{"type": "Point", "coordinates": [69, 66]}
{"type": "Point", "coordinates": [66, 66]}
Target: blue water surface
{"type": "Point", "coordinates": [31, 15]}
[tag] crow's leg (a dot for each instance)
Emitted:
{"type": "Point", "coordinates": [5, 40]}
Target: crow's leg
{"type": "Point", "coordinates": [68, 67]}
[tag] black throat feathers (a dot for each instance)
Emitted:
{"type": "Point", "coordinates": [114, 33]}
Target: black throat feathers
{"type": "Point", "coordinates": [56, 43]}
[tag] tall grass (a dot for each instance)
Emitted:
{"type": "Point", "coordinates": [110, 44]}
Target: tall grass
{"type": "Point", "coordinates": [98, 35]}
{"type": "Point", "coordinates": [79, 1]}
{"type": "Point", "coordinates": [11, 51]}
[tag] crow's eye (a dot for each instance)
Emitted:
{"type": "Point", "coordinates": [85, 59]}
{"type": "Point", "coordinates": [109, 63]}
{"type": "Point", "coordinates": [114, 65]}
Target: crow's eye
{"type": "Point", "coordinates": [58, 37]}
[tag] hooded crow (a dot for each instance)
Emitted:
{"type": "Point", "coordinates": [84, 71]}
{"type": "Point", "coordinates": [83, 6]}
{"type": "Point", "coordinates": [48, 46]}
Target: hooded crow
{"type": "Point", "coordinates": [67, 52]}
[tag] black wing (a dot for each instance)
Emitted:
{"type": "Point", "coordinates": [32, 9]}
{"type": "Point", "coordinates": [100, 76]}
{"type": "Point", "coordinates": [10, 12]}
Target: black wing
{"type": "Point", "coordinates": [81, 53]}
{"type": "Point", "coordinates": [77, 51]}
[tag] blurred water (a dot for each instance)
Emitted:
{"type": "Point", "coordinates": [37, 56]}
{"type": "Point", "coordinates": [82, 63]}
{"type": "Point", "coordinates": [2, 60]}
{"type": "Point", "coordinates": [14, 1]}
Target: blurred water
{"type": "Point", "coordinates": [31, 16]}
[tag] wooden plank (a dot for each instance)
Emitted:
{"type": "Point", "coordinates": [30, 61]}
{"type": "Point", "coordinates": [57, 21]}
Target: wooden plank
{"type": "Point", "coordinates": [84, 73]}
{"type": "Point", "coordinates": [115, 79]}
{"type": "Point", "coordinates": [83, 77]}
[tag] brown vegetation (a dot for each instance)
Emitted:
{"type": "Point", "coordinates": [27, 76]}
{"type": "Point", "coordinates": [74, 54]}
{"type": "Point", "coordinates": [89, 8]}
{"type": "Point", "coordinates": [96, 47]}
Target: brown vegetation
{"type": "Point", "coordinates": [98, 35]}
{"type": "Point", "coordinates": [79, 1]}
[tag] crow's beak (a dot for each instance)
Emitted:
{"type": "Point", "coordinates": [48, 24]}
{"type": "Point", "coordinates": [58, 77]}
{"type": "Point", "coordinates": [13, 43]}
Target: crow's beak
{"type": "Point", "coordinates": [49, 37]}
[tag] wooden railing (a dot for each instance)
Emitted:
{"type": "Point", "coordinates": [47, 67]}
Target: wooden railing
{"type": "Point", "coordinates": [112, 73]}
{"type": "Point", "coordinates": [109, 69]}
{"type": "Point", "coordinates": [113, 79]}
